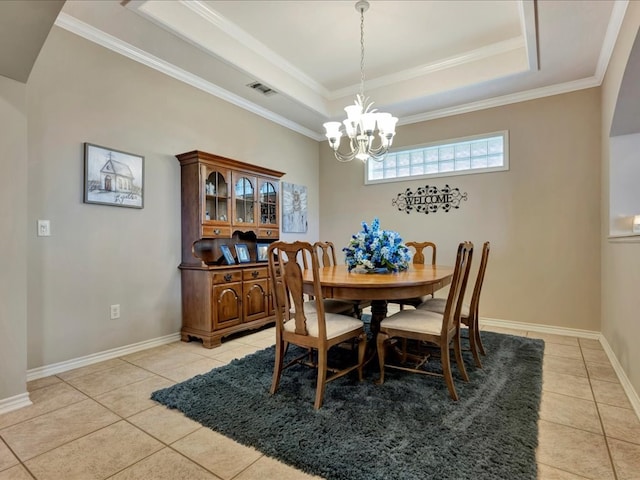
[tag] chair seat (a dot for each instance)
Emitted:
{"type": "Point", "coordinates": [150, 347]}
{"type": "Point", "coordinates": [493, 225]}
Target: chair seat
{"type": "Point", "coordinates": [336, 325]}
{"type": "Point", "coordinates": [420, 321]}
{"type": "Point", "coordinates": [438, 305]}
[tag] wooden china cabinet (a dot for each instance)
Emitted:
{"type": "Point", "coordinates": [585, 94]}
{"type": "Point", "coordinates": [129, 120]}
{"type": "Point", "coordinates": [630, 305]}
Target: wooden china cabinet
{"type": "Point", "coordinates": [225, 202]}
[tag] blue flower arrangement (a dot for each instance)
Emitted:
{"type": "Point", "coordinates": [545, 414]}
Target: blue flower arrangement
{"type": "Point", "coordinates": [373, 249]}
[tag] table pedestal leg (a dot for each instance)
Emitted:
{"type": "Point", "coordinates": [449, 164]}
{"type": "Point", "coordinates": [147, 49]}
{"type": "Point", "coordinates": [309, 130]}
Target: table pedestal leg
{"type": "Point", "coordinates": [378, 313]}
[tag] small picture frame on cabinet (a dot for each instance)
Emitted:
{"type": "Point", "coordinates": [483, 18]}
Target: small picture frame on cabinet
{"type": "Point", "coordinates": [243, 253]}
{"type": "Point", "coordinates": [228, 256]}
{"type": "Point", "coordinates": [261, 252]}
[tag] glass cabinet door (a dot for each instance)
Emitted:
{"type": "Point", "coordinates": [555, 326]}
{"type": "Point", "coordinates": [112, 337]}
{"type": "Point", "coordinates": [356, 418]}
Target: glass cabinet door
{"type": "Point", "coordinates": [268, 203]}
{"type": "Point", "coordinates": [244, 200]}
{"type": "Point", "coordinates": [216, 194]}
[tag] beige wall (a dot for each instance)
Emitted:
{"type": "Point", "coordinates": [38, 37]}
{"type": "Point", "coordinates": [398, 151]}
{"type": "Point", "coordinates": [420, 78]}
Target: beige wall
{"type": "Point", "coordinates": [541, 216]}
{"type": "Point", "coordinates": [13, 235]}
{"type": "Point", "coordinates": [620, 261]}
{"type": "Point", "coordinates": [100, 255]}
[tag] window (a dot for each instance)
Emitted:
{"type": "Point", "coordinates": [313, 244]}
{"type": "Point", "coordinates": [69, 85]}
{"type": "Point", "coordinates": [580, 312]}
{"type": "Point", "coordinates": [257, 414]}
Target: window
{"type": "Point", "coordinates": [462, 156]}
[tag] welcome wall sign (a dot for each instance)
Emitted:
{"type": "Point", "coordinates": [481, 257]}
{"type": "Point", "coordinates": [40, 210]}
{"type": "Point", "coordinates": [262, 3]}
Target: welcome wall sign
{"type": "Point", "coordinates": [429, 199]}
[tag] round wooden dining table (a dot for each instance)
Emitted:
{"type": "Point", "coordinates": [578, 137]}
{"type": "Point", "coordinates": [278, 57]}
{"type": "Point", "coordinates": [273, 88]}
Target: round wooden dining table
{"type": "Point", "coordinates": [416, 281]}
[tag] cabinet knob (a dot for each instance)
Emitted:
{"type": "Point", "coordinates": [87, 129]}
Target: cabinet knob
{"type": "Point", "coordinates": [216, 231]}
{"type": "Point", "coordinates": [269, 233]}
{"type": "Point", "coordinates": [227, 277]}
{"type": "Point", "coordinates": [255, 273]}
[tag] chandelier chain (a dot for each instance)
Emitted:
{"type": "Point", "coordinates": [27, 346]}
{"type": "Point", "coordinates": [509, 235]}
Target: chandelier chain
{"type": "Point", "coordinates": [362, 52]}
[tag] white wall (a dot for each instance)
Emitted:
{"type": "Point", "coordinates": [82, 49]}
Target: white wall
{"type": "Point", "coordinates": [620, 260]}
{"type": "Point", "coordinates": [541, 216]}
{"type": "Point", "coordinates": [13, 235]}
{"type": "Point", "coordinates": [101, 255]}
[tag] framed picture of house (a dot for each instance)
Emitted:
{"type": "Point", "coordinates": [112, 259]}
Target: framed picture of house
{"type": "Point", "coordinates": [228, 256]}
{"type": "Point", "coordinates": [261, 252]}
{"type": "Point", "coordinates": [243, 253]}
{"type": "Point", "coordinates": [112, 177]}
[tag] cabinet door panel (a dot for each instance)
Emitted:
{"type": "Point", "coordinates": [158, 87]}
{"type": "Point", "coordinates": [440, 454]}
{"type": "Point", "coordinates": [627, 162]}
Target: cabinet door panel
{"type": "Point", "coordinates": [256, 300]}
{"type": "Point", "coordinates": [244, 200]}
{"type": "Point", "coordinates": [216, 195]}
{"type": "Point", "coordinates": [227, 305]}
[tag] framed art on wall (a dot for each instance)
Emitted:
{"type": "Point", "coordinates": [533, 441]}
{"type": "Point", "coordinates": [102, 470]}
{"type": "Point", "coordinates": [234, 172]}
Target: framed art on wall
{"type": "Point", "coordinates": [243, 253]}
{"type": "Point", "coordinates": [112, 177]}
{"type": "Point", "coordinates": [228, 256]}
{"type": "Point", "coordinates": [294, 208]}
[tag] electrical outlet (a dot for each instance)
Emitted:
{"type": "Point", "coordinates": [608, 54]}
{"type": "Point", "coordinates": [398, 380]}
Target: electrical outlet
{"type": "Point", "coordinates": [115, 311]}
{"type": "Point", "coordinates": [44, 228]}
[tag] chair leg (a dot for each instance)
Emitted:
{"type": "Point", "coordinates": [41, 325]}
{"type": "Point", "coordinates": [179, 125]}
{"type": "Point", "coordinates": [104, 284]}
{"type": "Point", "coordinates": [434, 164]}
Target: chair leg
{"type": "Point", "coordinates": [473, 343]}
{"type": "Point", "coordinates": [322, 377]}
{"type": "Point", "coordinates": [281, 348]}
{"type": "Point", "coordinates": [446, 371]}
{"type": "Point", "coordinates": [478, 338]}
{"type": "Point", "coordinates": [380, 341]}
{"type": "Point", "coordinates": [458, 352]}
{"type": "Point", "coordinates": [362, 349]}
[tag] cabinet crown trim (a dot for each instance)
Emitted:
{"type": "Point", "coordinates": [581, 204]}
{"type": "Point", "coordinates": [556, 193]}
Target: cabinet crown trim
{"type": "Point", "coordinates": [200, 156]}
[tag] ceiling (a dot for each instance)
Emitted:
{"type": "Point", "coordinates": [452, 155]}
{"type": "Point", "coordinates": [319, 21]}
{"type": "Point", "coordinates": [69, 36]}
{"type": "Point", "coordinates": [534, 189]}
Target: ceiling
{"type": "Point", "coordinates": [423, 59]}
{"type": "Point", "coordinates": [24, 27]}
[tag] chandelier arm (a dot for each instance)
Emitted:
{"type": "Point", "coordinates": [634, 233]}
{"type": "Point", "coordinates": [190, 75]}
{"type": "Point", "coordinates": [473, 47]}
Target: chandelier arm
{"type": "Point", "coordinates": [378, 154]}
{"type": "Point", "coordinates": [344, 158]}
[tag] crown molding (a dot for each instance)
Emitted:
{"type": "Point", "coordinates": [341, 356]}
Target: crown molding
{"type": "Point", "coordinates": [504, 100]}
{"type": "Point", "coordinates": [248, 41]}
{"type": "Point", "coordinates": [114, 44]}
{"type": "Point", "coordinates": [613, 29]}
{"type": "Point", "coordinates": [439, 65]}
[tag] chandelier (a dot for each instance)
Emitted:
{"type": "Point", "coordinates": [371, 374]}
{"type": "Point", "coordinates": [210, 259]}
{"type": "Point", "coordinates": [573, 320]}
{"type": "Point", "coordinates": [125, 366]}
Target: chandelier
{"type": "Point", "coordinates": [360, 125]}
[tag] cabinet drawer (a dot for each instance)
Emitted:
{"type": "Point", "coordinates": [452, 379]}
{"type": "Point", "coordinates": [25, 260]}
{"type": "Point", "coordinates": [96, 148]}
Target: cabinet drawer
{"type": "Point", "coordinates": [268, 233]}
{"type": "Point", "coordinates": [254, 273]}
{"type": "Point", "coordinates": [209, 231]}
{"type": "Point", "coordinates": [227, 277]}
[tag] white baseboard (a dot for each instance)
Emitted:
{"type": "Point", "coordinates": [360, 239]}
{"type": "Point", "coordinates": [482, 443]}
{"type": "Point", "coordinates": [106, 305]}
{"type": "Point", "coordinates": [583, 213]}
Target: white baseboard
{"type": "Point", "coordinates": [53, 369]}
{"type": "Point", "coordinates": [535, 327]}
{"type": "Point", "coordinates": [634, 399]}
{"type": "Point", "coordinates": [624, 380]}
{"type": "Point", "coordinates": [14, 403]}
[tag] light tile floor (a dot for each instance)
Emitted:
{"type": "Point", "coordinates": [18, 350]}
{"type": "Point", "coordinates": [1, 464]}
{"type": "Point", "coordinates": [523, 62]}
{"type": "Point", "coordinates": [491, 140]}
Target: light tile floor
{"type": "Point", "coordinates": [97, 422]}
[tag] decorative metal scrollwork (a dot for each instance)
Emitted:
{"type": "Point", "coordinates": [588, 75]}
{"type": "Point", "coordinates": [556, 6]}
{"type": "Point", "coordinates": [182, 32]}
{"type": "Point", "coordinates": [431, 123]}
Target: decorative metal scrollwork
{"type": "Point", "coordinates": [429, 199]}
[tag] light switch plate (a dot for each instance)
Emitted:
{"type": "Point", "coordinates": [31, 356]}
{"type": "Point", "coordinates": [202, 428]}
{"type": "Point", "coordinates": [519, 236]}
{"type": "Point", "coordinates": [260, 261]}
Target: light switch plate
{"type": "Point", "coordinates": [44, 228]}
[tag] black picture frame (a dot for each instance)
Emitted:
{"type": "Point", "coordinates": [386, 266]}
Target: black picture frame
{"type": "Point", "coordinates": [261, 252]}
{"type": "Point", "coordinates": [242, 251]}
{"type": "Point", "coordinates": [113, 177]}
{"type": "Point", "coordinates": [228, 256]}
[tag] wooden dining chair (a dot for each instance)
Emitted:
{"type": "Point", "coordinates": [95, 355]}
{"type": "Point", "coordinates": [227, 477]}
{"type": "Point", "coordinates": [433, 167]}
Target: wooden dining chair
{"type": "Point", "coordinates": [311, 328]}
{"type": "Point", "coordinates": [469, 313]}
{"type": "Point", "coordinates": [327, 258]}
{"type": "Point", "coordinates": [418, 258]}
{"type": "Point", "coordinates": [430, 327]}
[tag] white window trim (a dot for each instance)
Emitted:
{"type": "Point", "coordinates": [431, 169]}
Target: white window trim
{"type": "Point", "coordinates": [504, 167]}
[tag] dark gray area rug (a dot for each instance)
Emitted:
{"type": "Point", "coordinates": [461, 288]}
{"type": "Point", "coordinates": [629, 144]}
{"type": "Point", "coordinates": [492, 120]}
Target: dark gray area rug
{"type": "Point", "coordinates": [407, 429]}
